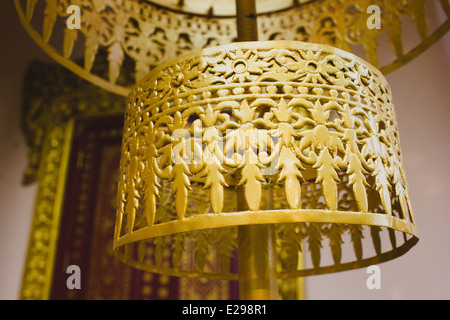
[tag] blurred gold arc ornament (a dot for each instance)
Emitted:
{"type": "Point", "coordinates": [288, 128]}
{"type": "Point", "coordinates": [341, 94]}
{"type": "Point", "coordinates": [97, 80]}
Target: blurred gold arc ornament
{"type": "Point", "coordinates": [148, 33]}
{"type": "Point", "coordinates": [296, 135]}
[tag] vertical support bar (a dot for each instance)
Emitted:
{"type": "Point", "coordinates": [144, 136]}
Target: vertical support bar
{"type": "Point", "coordinates": [257, 264]}
{"type": "Point", "coordinates": [256, 243]}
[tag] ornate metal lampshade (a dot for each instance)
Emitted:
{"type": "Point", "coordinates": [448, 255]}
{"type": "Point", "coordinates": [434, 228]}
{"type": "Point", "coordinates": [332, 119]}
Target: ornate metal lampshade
{"type": "Point", "coordinates": [281, 154]}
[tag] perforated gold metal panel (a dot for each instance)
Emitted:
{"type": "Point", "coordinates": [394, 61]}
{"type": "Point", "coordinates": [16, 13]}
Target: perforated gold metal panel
{"type": "Point", "coordinates": [308, 128]}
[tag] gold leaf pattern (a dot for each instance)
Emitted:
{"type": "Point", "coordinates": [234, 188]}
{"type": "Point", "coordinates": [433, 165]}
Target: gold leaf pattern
{"type": "Point", "coordinates": [31, 4]}
{"type": "Point", "coordinates": [70, 37]}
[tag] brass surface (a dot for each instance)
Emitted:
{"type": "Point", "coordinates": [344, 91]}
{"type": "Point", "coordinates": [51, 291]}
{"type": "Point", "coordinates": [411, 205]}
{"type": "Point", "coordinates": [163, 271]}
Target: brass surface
{"type": "Point", "coordinates": [152, 32]}
{"type": "Point", "coordinates": [329, 134]}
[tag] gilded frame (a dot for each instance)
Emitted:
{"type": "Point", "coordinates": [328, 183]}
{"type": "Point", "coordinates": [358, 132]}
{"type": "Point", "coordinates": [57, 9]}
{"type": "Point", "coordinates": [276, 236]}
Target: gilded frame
{"type": "Point", "coordinates": [54, 100]}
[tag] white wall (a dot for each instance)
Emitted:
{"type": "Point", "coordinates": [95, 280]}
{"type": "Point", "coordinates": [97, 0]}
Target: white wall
{"type": "Point", "coordinates": [421, 94]}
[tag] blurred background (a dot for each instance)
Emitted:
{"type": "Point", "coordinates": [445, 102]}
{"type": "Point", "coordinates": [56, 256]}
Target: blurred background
{"type": "Point", "coordinates": [421, 91]}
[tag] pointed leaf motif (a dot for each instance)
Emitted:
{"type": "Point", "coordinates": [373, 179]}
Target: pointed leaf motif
{"type": "Point", "coordinates": [177, 249]}
{"type": "Point", "coordinates": [351, 144]}
{"type": "Point", "coordinates": [327, 174]}
{"type": "Point", "coordinates": [290, 173]}
{"type": "Point", "coordinates": [115, 59]}
{"type": "Point", "coordinates": [159, 250]}
{"type": "Point", "coordinates": [307, 140]}
{"type": "Point", "coordinates": [142, 68]}
{"type": "Point", "coordinates": [181, 186]}
{"type": "Point", "coordinates": [131, 207]}
{"type": "Point", "coordinates": [30, 8]}
{"type": "Point", "coordinates": [319, 114]}
{"type": "Point", "coordinates": [346, 117]}
{"type": "Point", "coordinates": [70, 37]}
{"type": "Point", "coordinates": [245, 113]}
{"type": "Point", "coordinates": [371, 47]}
{"type": "Point", "coordinates": [200, 249]}
{"type": "Point", "coordinates": [286, 133]}
{"type": "Point", "coordinates": [211, 161]}
{"type": "Point", "coordinates": [358, 180]}
{"type": "Point", "coordinates": [51, 13]}
{"type": "Point", "coordinates": [400, 190]}
{"type": "Point", "coordinates": [226, 246]}
{"type": "Point", "coordinates": [356, 233]}
{"type": "Point", "coordinates": [178, 122]}
{"type": "Point", "coordinates": [314, 235]}
{"type": "Point", "coordinates": [210, 116]}
{"type": "Point", "coordinates": [392, 238]}
{"type": "Point", "coordinates": [336, 143]}
{"type": "Point", "coordinates": [152, 186]}
{"type": "Point", "coordinates": [382, 185]}
{"type": "Point", "coordinates": [376, 240]}
{"type": "Point", "coordinates": [215, 181]}
{"type": "Point", "coordinates": [394, 26]}
{"type": "Point", "coordinates": [91, 48]}
{"type": "Point", "coordinates": [335, 235]}
{"type": "Point", "coordinates": [368, 36]}
{"type": "Point", "coordinates": [322, 136]}
{"type": "Point", "coordinates": [252, 178]}
{"type": "Point", "coordinates": [131, 190]}
{"type": "Point", "coordinates": [142, 249]}
{"type": "Point", "coordinates": [290, 237]}
{"type": "Point", "coordinates": [281, 112]}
